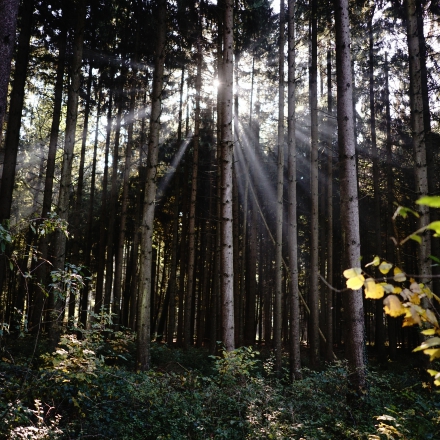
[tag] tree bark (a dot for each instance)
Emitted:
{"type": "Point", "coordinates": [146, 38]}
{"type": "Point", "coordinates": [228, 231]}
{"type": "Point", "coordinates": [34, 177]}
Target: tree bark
{"type": "Point", "coordinates": [66, 171]}
{"type": "Point", "coordinates": [292, 226]}
{"type": "Point", "coordinates": [8, 12]}
{"type": "Point", "coordinates": [349, 194]}
{"type": "Point", "coordinates": [279, 208]}
{"type": "Point", "coordinates": [188, 337]}
{"type": "Point", "coordinates": [227, 144]}
{"type": "Point", "coordinates": [145, 263]}
{"type": "Point", "coordinates": [314, 220]}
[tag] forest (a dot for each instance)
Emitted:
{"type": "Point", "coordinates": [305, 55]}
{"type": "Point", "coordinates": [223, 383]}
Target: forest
{"type": "Point", "coordinates": [219, 219]}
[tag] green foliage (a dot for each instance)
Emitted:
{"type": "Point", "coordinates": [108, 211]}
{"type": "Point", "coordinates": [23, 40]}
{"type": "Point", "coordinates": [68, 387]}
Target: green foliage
{"type": "Point", "coordinates": [84, 397]}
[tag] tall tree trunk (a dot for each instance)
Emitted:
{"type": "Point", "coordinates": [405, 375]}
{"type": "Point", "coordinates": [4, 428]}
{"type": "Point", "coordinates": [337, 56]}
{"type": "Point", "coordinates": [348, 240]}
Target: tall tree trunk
{"type": "Point", "coordinates": [314, 220]}
{"type": "Point", "coordinates": [349, 194]}
{"type": "Point", "coordinates": [8, 12]}
{"type": "Point", "coordinates": [227, 145]}
{"type": "Point", "coordinates": [280, 187]}
{"type": "Point", "coordinates": [99, 289]}
{"type": "Point", "coordinates": [418, 135]}
{"type": "Point", "coordinates": [329, 139]}
{"type": "Point", "coordinates": [292, 227]}
{"type": "Point", "coordinates": [16, 101]}
{"type": "Point", "coordinates": [188, 337]}
{"type": "Point", "coordinates": [66, 171]}
{"type": "Point", "coordinates": [89, 232]}
{"type": "Point", "coordinates": [145, 263]}
{"type": "Point", "coordinates": [173, 273]}
{"type": "Point", "coordinates": [43, 246]}
{"type": "Point", "coordinates": [379, 323]}
{"type": "Point", "coordinates": [113, 201]}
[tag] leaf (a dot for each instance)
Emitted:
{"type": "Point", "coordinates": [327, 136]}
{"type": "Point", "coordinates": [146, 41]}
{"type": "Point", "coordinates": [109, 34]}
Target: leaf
{"type": "Point", "coordinates": [350, 273]}
{"type": "Point", "coordinates": [389, 288]}
{"type": "Point", "coordinates": [431, 342]}
{"type": "Point", "coordinates": [399, 276]}
{"type": "Point", "coordinates": [356, 282]}
{"type": "Point", "coordinates": [393, 306]}
{"type": "Point", "coordinates": [431, 201]}
{"type": "Point", "coordinates": [435, 259]}
{"type": "Point", "coordinates": [355, 279]}
{"type": "Point", "coordinates": [416, 237]}
{"type": "Point", "coordinates": [385, 267]}
{"type": "Point", "coordinates": [435, 226]}
{"type": "Point", "coordinates": [373, 290]}
{"type": "Point", "coordinates": [401, 210]}
{"type": "Point", "coordinates": [375, 262]}
{"type": "Point", "coordinates": [428, 332]}
{"type": "Point", "coordinates": [430, 316]}
{"type": "Point", "coordinates": [432, 372]}
{"type": "Point", "coordinates": [433, 353]}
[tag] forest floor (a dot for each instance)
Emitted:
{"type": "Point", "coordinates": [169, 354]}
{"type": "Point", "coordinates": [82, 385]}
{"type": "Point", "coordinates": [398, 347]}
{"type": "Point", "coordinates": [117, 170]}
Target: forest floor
{"type": "Point", "coordinates": [88, 389]}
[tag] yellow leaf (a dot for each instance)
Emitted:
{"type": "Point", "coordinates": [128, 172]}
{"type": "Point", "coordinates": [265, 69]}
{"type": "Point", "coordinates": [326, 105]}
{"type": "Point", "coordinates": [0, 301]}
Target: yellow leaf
{"type": "Point", "coordinates": [356, 282]}
{"type": "Point", "coordinates": [385, 267]}
{"type": "Point", "coordinates": [393, 306]}
{"type": "Point", "coordinates": [432, 372]}
{"type": "Point", "coordinates": [375, 262]}
{"type": "Point", "coordinates": [373, 290]}
{"type": "Point", "coordinates": [399, 276]}
{"type": "Point", "coordinates": [431, 342]}
{"type": "Point", "coordinates": [389, 288]}
{"type": "Point", "coordinates": [433, 353]}
{"type": "Point", "coordinates": [397, 290]}
{"type": "Point", "coordinates": [408, 322]}
{"type": "Point", "coordinates": [430, 317]}
{"type": "Point", "coordinates": [353, 272]}
{"type": "Point", "coordinates": [428, 332]}
{"type": "Point", "coordinates": [415, 299]}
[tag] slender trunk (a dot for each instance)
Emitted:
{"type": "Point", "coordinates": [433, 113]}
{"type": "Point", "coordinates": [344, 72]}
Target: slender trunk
{"type": "Point", "coordinates": [329, 301]}
{"type": "Point", "coordinates": [314, 220]}
{"type": "Point", "coordinates": [379, 322]}
{"type": "Point", "coordinates": [188, 337]}
{"type": "Point", "coordinates": [88, 248]}
{"type": "Point", "coordinates": [292, 231]}
{"type": "Point", "coordinates": [173, 273]}
{"type": "Point", "coordinates": [143, 327]}
{"type": "Point", "coordinates": [99, 292]}
{"type": "Point", "coordinates": [43, 246]}
{"type": "Point", "coordinates": [66, 171]}
{"type": "Point", "coordinates": [279, 208]}
{"type": "Point", "coordinates": [349, 194]}
{"type": "Point", "coordinates": [418, 135]}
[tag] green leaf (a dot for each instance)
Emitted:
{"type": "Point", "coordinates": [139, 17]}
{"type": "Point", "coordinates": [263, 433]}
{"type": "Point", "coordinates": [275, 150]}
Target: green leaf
{"type": "Point", "coordinates": [435, 226]}
{"type": "Point", "coordinates": [435, 259]}
{"type": "Point", "coordinates": [401, 210]}
{"type": "Point", "coordinates": [431, 201]}
{"type": "Point", "coordinates": [416, 237]}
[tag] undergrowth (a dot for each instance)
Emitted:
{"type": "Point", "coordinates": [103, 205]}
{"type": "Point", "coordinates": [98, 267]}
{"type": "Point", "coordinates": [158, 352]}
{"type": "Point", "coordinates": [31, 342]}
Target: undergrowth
{"type": "Point", "coordinates": [88, 389]}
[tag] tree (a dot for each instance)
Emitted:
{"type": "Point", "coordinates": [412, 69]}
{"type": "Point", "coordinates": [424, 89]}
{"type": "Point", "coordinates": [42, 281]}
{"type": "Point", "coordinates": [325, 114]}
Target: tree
{"type": "Point", "coordinates": [63, 205]}
{"type": "Point", "coordinates": [227, 145]}
{"type": "Point", "coordinates": [280, 187]}
{"type": "Point", "coordinates": [349, 197]}
{"type": "Point", "coordinates": [292, 228]}
{"type": "Point", "coordinates": [8, 12]}
{"type": "Point", "coordinates": [146, 253]}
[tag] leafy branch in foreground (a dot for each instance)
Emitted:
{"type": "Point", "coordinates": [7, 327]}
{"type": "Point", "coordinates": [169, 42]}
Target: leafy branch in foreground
{"type": "Point", "coordinates": [403, 297]}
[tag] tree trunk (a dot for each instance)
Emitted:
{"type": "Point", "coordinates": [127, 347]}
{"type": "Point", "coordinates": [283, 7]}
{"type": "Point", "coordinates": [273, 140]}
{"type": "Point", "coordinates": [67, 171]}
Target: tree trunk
{"type": "Point", "coordinates": [227, 145]}
{"type": "Point", "coordinates": [418, 136]}
{"type": "Point", "coordinates": [145, 263]}
{"type": "Point", "coordinates": [8, 12]}
{"type": "Point", "coordinates": [188, 337]}
{"type": "Point", "coordinates": [314, 220]}
{"type": "Point", "coordinates": [66, 171]}
{"type": "Point", "coordinates": [279, 206]}
{"type": "Point", "coordinates": [349, 194]}
{"type": "Point", "coordinates": [292, 227]}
